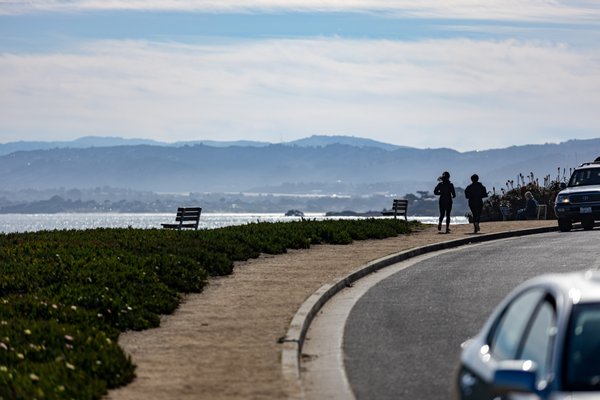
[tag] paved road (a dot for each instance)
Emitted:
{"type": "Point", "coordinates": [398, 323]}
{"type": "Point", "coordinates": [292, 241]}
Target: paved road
{"type": "Point", "coordinates": [402, 339]}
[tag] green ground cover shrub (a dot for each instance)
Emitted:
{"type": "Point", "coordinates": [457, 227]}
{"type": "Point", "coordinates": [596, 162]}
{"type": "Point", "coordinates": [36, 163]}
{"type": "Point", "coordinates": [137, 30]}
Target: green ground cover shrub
{"type": "Point", "coordinates": [65, 296]}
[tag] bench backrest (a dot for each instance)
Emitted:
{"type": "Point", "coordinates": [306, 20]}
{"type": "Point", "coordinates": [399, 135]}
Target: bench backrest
{"type": "Point", "coordinates": [400, 207]}
{"type": "Point", "coordinates": [188, 214]}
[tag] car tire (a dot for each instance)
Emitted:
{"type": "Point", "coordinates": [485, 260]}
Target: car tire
{"type": "Point", "coordinates": [564, 225]}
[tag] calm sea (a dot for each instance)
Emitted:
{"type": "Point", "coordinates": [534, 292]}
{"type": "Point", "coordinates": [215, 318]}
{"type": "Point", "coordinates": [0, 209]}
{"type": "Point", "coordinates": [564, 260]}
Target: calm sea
{"type": "Point", "coordinates": [36, 222]}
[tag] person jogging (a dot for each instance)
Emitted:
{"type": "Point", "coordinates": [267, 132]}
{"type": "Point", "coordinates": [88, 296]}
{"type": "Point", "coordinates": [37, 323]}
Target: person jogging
{"type": "Point", "coordinates": [476, 192]}
{"type": "Point", "coordinates": [445, 189]}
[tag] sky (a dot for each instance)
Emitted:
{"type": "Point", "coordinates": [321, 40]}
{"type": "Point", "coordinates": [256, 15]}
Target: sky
{"type": "Point", "coordinates": [462, 74]}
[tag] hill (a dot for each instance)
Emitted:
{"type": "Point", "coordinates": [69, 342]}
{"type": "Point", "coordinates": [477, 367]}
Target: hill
{"type": "Point", "coordinates": [111, 141]}
{"type": "Point", "coordinates": [322, 140]}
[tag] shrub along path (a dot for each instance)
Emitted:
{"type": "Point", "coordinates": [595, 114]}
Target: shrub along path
{"type": "Point", "coordinates": [222, 343]}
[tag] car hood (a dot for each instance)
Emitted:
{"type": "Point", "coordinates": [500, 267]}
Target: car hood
{"type": "Point", "coordinates": [581, 189]}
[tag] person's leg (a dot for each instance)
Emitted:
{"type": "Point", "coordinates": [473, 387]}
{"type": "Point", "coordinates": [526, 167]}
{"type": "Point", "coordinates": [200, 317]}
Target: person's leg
{"type": "Point", "coordinates": [442, 212]}
{"type": "Point", "coordinates": [473, 208]}
{"type": "Point", "coordinates": [448, 210]}
{"type": "Point", "coordinates": [477, 216]}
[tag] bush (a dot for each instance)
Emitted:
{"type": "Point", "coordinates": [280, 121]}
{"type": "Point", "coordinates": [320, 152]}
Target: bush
{"type": "Point", "coordinates": [514, 199]}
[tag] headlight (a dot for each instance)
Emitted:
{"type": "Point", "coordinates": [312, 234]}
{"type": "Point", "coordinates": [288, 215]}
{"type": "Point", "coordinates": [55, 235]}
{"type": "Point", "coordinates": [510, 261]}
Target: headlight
{"type": "Point", "coordinates": [562, 199]}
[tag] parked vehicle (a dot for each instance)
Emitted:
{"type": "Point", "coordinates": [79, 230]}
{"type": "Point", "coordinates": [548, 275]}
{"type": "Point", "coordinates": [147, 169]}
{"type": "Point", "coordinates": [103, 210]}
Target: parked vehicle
{"type": "Point", "coordinates": [541, 342]}
{"type": "Point", "coordinates": [579, 200]}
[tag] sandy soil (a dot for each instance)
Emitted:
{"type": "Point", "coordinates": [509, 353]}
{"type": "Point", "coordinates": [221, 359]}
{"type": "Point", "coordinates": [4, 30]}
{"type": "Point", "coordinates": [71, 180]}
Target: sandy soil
{"type": "Point", "coordinates": [222, 343]}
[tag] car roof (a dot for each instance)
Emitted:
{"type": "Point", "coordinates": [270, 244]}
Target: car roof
{"type": "Point", "coordinates": [579, 287]}
{"type": "Point", "coordinates": [587, 165]}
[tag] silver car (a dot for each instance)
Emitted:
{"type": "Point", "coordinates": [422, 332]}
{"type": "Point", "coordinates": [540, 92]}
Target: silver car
{"type": "Point", "coordinates": [541, 342]}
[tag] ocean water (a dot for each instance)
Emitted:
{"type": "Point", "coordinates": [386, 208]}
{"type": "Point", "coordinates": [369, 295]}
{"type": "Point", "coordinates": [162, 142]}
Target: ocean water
{"type": "Point", "coordinates": [37, 222]}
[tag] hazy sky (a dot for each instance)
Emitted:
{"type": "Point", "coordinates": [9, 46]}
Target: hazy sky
{"type": "Point", "coordinates": [465, 74]}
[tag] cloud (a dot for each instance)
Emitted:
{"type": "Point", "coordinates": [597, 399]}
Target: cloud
{"type": "Point", "coordinates": [455, 93]}
{"type": "Point", "coordinates": [518, 10]}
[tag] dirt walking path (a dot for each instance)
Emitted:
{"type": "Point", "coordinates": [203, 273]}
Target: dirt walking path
{"type": "Point", "coordinates": [222, 343]}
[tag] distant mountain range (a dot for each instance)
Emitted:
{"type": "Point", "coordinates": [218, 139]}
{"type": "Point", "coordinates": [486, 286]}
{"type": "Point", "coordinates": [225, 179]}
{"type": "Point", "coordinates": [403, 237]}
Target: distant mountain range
{"type": "Point", "coordinates": [111, 141]}
{"type": "Point", "coordinates": [319, 164]}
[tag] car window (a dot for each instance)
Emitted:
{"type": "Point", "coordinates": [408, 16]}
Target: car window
{"type": "Point", "coordinates": [582, 368]}
{"type": "Point", "coordinates": [540, 338]}
{"type": "Point", "coordinates": [506, 336]}
{"type": "Point", "coordinates": [584, 177]}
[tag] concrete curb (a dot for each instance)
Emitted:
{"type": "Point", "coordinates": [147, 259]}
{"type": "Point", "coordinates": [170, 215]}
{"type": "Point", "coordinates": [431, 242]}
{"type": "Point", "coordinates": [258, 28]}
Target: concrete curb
{"type": "Point", "coordinates": [294, 338]}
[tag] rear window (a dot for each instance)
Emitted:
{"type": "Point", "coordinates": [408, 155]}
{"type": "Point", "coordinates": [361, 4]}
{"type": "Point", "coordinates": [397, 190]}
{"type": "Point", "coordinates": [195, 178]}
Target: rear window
{"type": "Point", "coordinates": [582, 356]}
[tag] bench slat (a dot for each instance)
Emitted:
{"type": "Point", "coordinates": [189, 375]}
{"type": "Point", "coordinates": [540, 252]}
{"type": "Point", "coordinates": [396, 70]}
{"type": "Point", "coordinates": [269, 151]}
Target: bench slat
{"type": "Point", "coordinates": [188, 218]}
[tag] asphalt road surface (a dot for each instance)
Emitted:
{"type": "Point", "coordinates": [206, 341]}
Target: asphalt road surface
{"type": "Point", "coordinates": [402, 339]}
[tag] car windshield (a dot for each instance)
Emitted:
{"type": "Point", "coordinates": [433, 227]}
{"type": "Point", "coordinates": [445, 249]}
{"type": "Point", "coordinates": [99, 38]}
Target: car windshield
{"type": "Point", "coordinates": [582, 366]}
{"type": "Point", "coordinates": [585, 177]}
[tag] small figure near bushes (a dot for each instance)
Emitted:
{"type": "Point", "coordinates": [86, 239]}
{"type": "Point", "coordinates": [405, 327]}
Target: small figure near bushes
{"type": "Point", "coordinates": [445, 189]}
{"type": "Point", "coordinates": [476, 192]}
{"type": "Point", "coordinates": [530, 210]}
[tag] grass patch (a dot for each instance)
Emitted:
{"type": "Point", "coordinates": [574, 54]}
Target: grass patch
{"type": "Point", "coordinates": [65, 296]}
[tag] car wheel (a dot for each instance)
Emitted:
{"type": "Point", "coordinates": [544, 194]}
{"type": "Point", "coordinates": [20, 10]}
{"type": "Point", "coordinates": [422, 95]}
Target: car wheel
{"type": "Point", "coordinates": [564, 225]}
{"type": "Point", "coordinates": [588, 224]}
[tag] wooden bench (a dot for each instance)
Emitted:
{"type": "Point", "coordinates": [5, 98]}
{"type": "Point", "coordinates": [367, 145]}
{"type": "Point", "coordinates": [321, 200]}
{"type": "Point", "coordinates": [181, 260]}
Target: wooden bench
{"type": "Point", "coordinates": [187, 217]}
{"type": "Point", "coordinates": [399, 207]}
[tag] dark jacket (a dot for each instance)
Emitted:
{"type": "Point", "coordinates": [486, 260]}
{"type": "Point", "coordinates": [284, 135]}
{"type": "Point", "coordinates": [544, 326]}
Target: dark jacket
{"type": "Point", "coordinates": [475, 192]}
{"type": "Point", "coordinates": [531, 208]}
{"type": "Point", "coordinates": [445, 189]}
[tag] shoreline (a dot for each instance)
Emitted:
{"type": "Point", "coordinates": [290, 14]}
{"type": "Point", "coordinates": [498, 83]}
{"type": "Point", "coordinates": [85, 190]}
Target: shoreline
{"type": "Point", "coordinates": [11, 223]}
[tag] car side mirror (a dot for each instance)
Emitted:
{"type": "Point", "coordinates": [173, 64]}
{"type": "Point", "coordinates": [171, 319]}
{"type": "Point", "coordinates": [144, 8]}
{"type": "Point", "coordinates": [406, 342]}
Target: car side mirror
{"type": "Point", "coordinates": [562, 185]}
{"type": "Point", "coordinates": [518, 376]}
